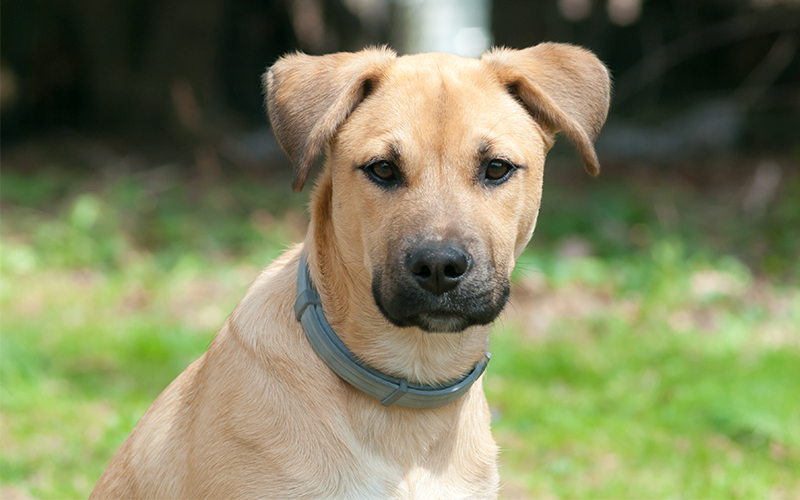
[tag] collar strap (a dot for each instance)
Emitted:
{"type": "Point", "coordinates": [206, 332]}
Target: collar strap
{"type": "Point", "coordinates": [389, 390]}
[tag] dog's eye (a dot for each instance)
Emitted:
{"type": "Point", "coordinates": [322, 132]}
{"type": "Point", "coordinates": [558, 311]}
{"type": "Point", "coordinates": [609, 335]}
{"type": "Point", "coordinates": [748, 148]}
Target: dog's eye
{"type": "Point", "coordinates": [383, 172]}
{"type": "Point", "coordinates": [498, 171]}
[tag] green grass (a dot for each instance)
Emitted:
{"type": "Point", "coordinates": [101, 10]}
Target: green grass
{"type": "Point", "coordinates": [655, 361]}
{"type": "Point", "coordinates": [637, 401]}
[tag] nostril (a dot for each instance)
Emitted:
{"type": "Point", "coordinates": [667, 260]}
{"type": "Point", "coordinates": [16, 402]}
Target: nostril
{"type": "Point", "coordinates": [450, 272]}
{"type": "Point", "coordinates": [423, 272]}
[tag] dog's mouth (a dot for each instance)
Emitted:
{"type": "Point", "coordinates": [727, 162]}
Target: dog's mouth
{"type": "Point", "coordinates": [436, 322]}
{"type": "Point", "coordinates": [407, 306]}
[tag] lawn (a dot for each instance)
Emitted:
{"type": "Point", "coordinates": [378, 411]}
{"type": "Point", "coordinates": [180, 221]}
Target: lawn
{"type": "Point", "coordinates": [651, 348]}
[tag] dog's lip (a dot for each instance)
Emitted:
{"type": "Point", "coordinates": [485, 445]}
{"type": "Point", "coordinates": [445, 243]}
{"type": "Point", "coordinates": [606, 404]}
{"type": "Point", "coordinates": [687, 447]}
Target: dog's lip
{"type": "Point", "coordinates": [412, 318]}
{"type": "Point", "coordinates": [437, 320]}
{"type": "Point", "coordinates": [472, 303]}
{"type": "Point", "coordinates": [440, 322]}
{"type": "Point", "coordinates": [441, 316]}
{"type": "Point", "coordinates": [437, 313]}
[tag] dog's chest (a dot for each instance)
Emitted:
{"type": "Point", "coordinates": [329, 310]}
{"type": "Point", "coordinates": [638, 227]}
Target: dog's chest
{"type": "Point", "coordinates": [444, 471]}
{"type": "Point", "coordinates": [416, 483]}
{"type": "Point", "coordinates": [421, 484]}
{"type": "Point", "coordinates": [396, 453]}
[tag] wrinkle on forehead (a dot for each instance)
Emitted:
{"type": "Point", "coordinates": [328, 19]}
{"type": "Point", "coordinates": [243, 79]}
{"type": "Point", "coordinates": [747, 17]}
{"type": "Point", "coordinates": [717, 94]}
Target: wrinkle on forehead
{"type": "Point", "coordinates": [441, 113]}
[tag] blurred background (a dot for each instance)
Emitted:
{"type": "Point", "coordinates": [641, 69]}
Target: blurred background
{"type": "Point", "coordinates": [651, 348]}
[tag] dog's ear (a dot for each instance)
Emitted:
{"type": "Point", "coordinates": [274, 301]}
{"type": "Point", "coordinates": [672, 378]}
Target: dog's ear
{"type": "Point", "coordinates": [564, 87]}
{"type": "Point", "coordinates": [309, 98]}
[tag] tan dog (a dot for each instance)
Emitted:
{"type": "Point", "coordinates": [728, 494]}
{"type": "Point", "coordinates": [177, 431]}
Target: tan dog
{"type": "Point", "coordinates": [430, 191]}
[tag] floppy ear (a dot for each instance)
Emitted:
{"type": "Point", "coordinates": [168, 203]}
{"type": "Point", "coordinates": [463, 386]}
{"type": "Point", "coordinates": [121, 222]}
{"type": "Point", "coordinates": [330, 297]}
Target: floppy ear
{"type": "Point", "coordinates": [563, 87]}
{"type": "Point", "coordinates": [309, 98]}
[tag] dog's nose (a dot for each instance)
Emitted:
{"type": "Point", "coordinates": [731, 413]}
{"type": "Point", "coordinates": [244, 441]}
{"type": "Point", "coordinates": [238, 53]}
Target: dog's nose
{"type": "Point", "coordinates": [439, 267]}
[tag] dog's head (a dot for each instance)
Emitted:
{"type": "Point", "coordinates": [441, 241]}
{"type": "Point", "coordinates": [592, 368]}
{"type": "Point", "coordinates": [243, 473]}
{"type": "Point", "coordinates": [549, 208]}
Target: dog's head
{"type": "Point", "coordinates": [436, 163]}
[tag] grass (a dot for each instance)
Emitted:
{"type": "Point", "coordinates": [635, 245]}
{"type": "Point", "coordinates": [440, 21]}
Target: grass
{"type": "Point", "coordinates": [642, 356]}
{"type": "Point", "coordinates": [635, 398]}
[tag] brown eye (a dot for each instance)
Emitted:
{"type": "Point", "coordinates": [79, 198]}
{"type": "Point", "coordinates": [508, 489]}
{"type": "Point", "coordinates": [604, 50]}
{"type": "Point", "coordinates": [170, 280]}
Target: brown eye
{"type": "Point", "coordinates": [383, 170]}
{"type": "Point", "coordinates": [497, 170]}
{"type": "Point", "coordinates": [383, 173]}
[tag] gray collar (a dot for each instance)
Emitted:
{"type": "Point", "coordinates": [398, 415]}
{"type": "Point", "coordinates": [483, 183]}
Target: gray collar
{"type": "Point", "coordinates": [337, 356]}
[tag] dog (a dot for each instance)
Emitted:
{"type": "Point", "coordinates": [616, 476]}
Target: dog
{"type": "Point", "coordinates": [352, 367]}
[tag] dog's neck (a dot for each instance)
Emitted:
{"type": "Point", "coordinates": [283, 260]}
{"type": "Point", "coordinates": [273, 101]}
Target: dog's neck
{"type": "Point", "coordinates": [410, 353]}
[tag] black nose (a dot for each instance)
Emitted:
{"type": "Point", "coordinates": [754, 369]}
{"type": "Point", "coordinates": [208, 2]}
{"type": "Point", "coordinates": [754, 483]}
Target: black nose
{"type": "Point", "coordinates": [439, 267]}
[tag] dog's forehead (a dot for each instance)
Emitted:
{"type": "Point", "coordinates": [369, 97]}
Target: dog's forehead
{"type": "Point", "coordinates": [439, 76]}
{"type": "Point", "coordinates": [435, 65]}
{"type": "Point", "coordinates": [440, 103]}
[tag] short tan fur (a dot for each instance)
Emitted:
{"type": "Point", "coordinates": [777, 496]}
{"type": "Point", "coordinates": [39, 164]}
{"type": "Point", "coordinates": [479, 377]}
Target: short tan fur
{"type": "Point", "coordinates": [259, 414]}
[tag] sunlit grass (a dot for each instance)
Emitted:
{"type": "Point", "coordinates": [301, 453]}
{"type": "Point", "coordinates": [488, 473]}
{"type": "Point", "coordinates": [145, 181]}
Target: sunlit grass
{"type": "Point", "coordinates": [630, 402]}
{"type": "Point", "coordinates": [644, 364]}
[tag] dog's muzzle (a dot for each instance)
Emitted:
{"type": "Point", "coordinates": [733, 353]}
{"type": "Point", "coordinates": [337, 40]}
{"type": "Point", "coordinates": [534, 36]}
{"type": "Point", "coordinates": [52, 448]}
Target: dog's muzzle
{"type": "Point", "coordinates": [440, 287]}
